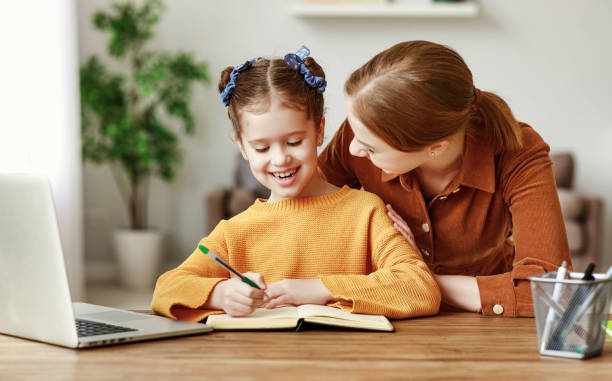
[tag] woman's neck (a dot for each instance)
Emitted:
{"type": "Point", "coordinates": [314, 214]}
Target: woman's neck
{"type": "Point", "coordinates": [435, 175]}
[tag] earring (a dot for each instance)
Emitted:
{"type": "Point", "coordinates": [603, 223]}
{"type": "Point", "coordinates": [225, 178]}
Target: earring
{"type": "Point", "coordinates": [432, 153]}
{"type": "Point", "coordinates": [320, 141]}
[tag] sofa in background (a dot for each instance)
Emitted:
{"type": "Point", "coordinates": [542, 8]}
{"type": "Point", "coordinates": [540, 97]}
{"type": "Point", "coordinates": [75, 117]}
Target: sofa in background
{"type": "Point", "coordinates": [583, 215]}
{"type": "Point", "coordinates": [225, 202]}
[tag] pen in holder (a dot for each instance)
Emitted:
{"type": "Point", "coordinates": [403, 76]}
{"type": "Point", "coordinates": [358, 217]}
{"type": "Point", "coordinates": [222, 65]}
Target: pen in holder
{"type": "Point", "coordinates": [569, 313]}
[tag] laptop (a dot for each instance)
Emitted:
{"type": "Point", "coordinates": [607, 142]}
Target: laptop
{"type": "Point", "coordinates": [34, 296]}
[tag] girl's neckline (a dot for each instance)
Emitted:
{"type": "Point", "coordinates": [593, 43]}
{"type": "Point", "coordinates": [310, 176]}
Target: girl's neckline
{"type": "Point", "coordinates": [298, 203]}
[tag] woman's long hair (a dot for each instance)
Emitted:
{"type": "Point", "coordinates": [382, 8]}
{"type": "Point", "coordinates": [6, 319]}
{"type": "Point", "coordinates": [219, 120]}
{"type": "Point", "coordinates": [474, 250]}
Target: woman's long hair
{"type": "Point", "coordinates": [418, 92]}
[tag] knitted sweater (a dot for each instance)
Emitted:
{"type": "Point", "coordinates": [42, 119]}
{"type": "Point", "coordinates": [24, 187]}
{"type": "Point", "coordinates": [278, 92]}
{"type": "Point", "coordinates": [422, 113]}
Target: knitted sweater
{"type": "Point", "coordinates": [344, 238]}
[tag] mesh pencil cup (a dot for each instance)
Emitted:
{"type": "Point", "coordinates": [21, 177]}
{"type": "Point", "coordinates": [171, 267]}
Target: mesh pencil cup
{"type": "Point", "coordinates": [569, 314]}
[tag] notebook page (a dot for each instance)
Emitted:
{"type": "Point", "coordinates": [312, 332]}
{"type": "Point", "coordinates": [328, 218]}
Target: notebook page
{"type": "Point", "coordinates": [316, 310]}
{"type": "Point", "coordinates": [261, 313]}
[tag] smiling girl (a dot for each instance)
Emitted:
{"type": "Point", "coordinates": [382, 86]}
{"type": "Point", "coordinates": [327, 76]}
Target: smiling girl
{"type": "Point", "coordinates": [310, 242]}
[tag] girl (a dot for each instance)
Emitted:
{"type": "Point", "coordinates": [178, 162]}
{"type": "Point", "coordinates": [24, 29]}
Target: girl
{"type": "Point", "coordinates": [310, 242]}
{"type": "Point", "coordinates": [468, 186]}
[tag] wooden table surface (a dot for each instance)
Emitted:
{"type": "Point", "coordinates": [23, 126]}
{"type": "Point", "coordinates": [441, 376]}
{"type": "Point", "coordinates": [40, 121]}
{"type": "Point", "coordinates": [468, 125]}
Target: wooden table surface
{"type": "Point", "coordinates": [450, 346]}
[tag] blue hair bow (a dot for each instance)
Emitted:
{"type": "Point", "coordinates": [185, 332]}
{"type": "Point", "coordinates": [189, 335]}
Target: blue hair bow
{"type": "Point", "coordinates": [229, 88]}
{"type": "Point", "coordinates": [296, 62]}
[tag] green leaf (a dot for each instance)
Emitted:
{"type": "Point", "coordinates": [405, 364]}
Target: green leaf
{"type": "Point", "coordinates": [123, 120]}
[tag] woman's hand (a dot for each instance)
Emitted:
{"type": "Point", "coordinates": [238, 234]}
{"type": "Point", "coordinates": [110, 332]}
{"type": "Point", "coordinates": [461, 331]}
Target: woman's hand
{"type": "Point", "coordinates": [401, 226]}
{"type": "Point", "coordinates": [457, 290]}
{"type": "Point", "coordinates": [236, 297]}
{"type": "Point", "coordinates": [296, 292]}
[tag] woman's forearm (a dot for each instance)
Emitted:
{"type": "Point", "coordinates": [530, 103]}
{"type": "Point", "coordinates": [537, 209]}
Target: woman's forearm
{"type": "Point", "coordinates": [460, 291]}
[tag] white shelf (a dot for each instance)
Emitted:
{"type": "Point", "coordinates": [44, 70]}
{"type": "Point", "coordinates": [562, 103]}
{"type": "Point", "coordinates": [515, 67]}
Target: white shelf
{"type": "Point", "coordinates": [393, 9]}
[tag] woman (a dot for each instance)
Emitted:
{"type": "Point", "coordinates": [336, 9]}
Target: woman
{"type": "Point", "coordinates": [467, 185]}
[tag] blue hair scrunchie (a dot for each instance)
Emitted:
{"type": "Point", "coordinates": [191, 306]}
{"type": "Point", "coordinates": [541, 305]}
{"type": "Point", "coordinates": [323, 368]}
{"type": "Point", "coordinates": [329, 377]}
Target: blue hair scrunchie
{"type": "Point", "coordinates": [296, 62]}
{"type": "Point", "coordinates": [229, 88]}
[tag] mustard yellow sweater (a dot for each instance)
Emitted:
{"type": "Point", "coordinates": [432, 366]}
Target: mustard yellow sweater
{"type": "Point", "coordinates": [345, 239]}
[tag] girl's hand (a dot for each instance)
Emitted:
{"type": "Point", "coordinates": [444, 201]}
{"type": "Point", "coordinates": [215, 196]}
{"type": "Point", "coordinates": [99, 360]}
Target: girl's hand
{"type": "Point", "coordinates": [296, 292]}
{"type": "Point", "coordinates": [236, 297]}
{"type": "Point", "coordinates": [401, 226]}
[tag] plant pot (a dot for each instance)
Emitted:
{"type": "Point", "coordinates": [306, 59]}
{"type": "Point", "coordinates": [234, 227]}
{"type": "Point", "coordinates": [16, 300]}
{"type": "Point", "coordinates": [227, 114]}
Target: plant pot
{"type": "Point", "coordinates": [138, 254]}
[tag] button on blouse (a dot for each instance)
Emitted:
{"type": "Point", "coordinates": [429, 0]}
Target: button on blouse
{"type": "Point", "coordinates": [500, 221]}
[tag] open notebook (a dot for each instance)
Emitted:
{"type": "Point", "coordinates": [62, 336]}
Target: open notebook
{"type": "Point", "coordinates": [292, 317]}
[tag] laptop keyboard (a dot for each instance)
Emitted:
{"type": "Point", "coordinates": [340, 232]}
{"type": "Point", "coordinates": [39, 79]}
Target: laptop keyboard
{"type": "Point", "coordinates": [92, 328]}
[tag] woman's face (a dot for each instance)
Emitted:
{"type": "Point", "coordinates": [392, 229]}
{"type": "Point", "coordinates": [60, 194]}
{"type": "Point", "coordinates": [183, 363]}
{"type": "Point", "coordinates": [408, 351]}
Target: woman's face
{"type": "Point", "coordinates": [281, 147]}
{"type": "Point", "coordinates": [392, 161]}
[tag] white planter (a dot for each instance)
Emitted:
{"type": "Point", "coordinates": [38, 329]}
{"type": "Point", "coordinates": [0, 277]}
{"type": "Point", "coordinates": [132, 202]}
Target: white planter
{"type": "Point", "coordinates": [138, 254]}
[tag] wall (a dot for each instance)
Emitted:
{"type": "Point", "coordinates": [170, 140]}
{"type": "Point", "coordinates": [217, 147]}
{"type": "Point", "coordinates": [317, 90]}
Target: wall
{"type": "Point", "coordinates": [39, 122]}
{"type": "Point", "coordinates": [549, 59]}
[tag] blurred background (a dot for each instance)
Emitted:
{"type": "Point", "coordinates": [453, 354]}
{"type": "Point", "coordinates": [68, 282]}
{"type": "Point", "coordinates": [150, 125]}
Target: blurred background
{"type": "Point", "coordinates": [549, 59]}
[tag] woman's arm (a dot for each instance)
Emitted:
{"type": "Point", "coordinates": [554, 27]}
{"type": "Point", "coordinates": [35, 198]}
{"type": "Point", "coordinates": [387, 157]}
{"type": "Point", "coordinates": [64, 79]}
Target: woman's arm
{"type": "Point", "coordinates": [460, 291]}
{"type": "Point", "coordinates": [457, 290]}
{"type": "Point", "coordinates": [540, 241]}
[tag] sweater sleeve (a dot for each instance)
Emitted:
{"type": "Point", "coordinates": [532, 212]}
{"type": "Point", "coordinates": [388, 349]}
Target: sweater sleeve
{"type": "Point", "coordinates": [335, 160]}
{"type": "Point", "coordinates": [538, 230]}
{"type": "Point", "coordinates": [180, 293]}
{"type": "Point", "coordinates": [400, 286]}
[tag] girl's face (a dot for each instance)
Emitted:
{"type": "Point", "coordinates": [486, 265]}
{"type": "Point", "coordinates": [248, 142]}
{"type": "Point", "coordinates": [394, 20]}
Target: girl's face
{"type": "Point", "coordinates": [281, 147]}
{"type": "Point", "coordinates": [392, 161]}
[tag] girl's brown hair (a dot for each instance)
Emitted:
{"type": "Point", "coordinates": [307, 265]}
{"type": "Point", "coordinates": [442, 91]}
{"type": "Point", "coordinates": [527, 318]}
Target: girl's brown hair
{"type": "Point", "coordinates": [256, 85]}
{"type": "Point", "coordinates": [418, 92]}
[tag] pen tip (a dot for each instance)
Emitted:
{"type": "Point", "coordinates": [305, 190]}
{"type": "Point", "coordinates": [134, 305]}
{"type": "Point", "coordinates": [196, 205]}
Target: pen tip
{"type": "Point", "coordinates": [204, 249]}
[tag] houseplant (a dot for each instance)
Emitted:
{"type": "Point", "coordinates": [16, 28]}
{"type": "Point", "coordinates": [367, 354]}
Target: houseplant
{"type": "Point", "coordinates": [131, 120]}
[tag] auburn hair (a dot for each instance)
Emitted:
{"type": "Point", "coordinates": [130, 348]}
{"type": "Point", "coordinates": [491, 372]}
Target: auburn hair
{"type": "Point", "coordinates": [418, 92]}
{"type": "Point", "coordinates": [266, 77]}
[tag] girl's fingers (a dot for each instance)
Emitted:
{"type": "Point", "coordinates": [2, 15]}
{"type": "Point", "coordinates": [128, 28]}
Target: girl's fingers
{"type": "Point", "coordinates": [273, 292]}
{"type": "Point", "coordinates": [257, 278]}
{"type": "Point", "coordinates": [249, 291]}
{"type": "Point", "coordinates": [237, 309]}
{"type": "Point", "coordinates": [246, 300]}
{"type": "Point", "coordinates": [281, 300]}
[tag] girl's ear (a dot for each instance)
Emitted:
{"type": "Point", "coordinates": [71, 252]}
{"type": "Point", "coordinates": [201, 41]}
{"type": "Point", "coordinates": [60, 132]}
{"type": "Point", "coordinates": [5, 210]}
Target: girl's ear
{"type": "Point", "coordinates": [238, 142]}
{"type": "Point", "coordinates": [321, 132]}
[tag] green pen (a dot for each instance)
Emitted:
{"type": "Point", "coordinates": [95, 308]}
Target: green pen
{"type": "Point", "coordinates": [229, 268]}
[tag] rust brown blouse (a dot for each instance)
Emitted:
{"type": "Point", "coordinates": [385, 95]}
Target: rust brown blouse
{"type": "Point", "coordinates": [498, 220]}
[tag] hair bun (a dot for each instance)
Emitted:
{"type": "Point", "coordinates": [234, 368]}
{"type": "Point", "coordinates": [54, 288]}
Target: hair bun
{"type": "Point", "coordinates": [225, 78]}
{"type": "Point", "coordinates": [314, 67]}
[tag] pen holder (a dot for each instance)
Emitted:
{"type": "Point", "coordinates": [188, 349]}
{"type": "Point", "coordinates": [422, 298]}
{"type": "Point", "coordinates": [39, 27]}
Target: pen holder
{"type": "Point", "coordinates": [569, 314]}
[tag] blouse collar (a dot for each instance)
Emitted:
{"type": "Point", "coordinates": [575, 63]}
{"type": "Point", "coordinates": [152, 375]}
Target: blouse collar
{"type": "Point", "coordinates": [477, 167]}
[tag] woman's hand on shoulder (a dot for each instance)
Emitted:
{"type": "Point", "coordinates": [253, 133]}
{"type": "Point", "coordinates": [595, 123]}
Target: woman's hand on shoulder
{"type": "Point", "coordinates": [236, 297]}
{"type": "Point", "coordinates": [401, 226]}
{"type": "Point", "coordinates": [296, 292]}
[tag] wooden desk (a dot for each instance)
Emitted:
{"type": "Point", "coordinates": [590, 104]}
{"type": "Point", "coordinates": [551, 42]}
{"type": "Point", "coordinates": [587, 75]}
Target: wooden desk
{"type": "Point", "coordinates": [448, 346]}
